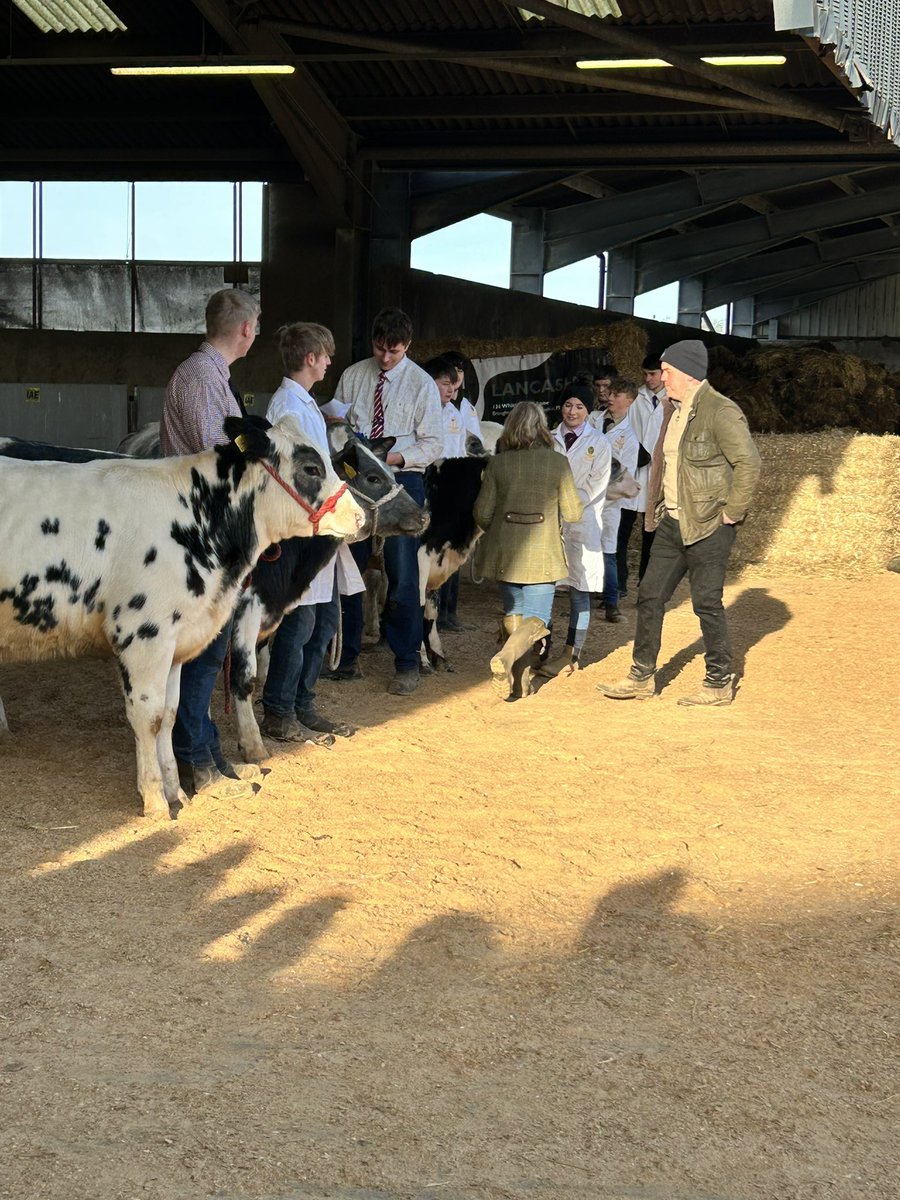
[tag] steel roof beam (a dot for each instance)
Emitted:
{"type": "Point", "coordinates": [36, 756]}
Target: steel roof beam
{"type": "Point", "coordinates": [666, 260]}
{"type": "Point", "coordinates": [537, 70]}
{"type": "Point", "coordinates": [528, 43]}
{"type": "Point", "coordinates": [775, 100]}
{"type": "Point", "coordinates": [366, 109]}
{"type": "Point", "coordinates": [582, 229]}
{"type": "Point", "coordinates": [764, 271]}
{"type": "Point", "coordinates": [315, 132]}
{"type": "Point", "coordinates": [679, 155]}
{"type": "Point", "coordinates": [438, 209]}
{"type": "Point", "coordinates": [865, 272]}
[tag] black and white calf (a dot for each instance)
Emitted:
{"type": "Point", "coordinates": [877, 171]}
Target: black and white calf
{"type": "Point", "coordinates": [276, 586]}
{"type": "Point", "coordinates": [451, 489]}
{"type": "Point", "coordinates": [144, 560]}
{"type": "Point", "coordinates": [12, 447]}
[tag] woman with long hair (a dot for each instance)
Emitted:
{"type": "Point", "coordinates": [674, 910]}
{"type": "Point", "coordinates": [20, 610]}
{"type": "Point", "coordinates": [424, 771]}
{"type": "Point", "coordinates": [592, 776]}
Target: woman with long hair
{"type": "Point", "coordinates": [527, 491]}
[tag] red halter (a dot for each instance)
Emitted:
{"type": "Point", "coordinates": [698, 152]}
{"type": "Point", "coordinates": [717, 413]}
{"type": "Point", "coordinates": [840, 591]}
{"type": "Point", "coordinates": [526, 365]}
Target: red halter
{"type": "Point", "coordinates": [315, 514]}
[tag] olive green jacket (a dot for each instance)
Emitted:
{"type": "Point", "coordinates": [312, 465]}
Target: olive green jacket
{"type": "Point", "coordinates": [524, 496]}
{"type": "Point", "coordinates": [718, 467]}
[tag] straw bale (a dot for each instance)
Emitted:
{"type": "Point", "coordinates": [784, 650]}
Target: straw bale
{"type": "Point", "coordinates": [828, 504]}
{"type": "Point", "coordinates": [625, 342]}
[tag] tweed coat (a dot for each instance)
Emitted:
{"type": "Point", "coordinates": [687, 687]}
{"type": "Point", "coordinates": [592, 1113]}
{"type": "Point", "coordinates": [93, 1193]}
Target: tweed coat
{"type": "Point", "coordinates": [535, 483]}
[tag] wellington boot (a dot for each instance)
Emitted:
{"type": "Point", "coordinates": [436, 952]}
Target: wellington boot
{"type": "Point", "coordinates": [508, 626]}
{"type": "Point", "coordinates": [563, 663]}
{"type": "Point", "coordinates": [528, 666]}
{"type": "Point", "coordinates": [517, 645]}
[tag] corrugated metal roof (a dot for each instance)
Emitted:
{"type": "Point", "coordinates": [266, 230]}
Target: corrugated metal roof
{"type": "Point", "coordinates": [442, 85]}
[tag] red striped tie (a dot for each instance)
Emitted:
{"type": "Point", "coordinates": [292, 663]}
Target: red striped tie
{"type": "Point", "coordinates": [378, 407]}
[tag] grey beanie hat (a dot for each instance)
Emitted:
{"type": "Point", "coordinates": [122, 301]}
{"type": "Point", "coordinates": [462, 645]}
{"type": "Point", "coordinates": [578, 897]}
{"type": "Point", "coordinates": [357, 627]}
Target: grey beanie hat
{"type": "Point", "coordinates": [689, 356]}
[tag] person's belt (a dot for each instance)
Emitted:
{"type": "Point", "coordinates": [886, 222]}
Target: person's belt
{"type": "Point", "coordinates": [516, 518]}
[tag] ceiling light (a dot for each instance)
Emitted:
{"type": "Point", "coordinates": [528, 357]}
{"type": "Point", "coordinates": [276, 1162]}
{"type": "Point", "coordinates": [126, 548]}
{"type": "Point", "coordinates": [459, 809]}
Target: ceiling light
{"type": "Point", "coordinates": [210, 69]}
{"type": "Point", "coordinates": [714, 60]}
{"type": "Point", "coordinates": [70, 16]}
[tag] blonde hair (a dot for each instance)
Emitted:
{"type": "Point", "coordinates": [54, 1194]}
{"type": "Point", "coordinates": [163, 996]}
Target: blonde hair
{"type": "Point", "coordinates": [525, 428]}
{"type": "Point", "coordinates": [302, 338]}
{"type": "Point", "coordinates": [228, 309]}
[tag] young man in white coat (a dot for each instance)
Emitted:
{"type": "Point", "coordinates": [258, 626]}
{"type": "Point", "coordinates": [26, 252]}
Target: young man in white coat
{"type": "Point", "coordinates": [301, 641]}
{"type": "Point", "coordinates": [625, 448]}
{"type": "Point", "coordinates": [589, 456]}
{"type": "Point", "coordinates": [646, 418]}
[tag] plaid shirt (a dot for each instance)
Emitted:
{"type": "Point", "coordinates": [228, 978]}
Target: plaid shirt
{"type": "Point", "coordinates": [198, 399]}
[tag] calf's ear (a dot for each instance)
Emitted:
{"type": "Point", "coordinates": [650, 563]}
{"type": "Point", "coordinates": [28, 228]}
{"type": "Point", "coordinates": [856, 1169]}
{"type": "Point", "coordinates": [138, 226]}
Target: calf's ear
{"type": "Point", "coordinates": [250, 435]}
{"type": "Point", "coordinates": [381, 447]}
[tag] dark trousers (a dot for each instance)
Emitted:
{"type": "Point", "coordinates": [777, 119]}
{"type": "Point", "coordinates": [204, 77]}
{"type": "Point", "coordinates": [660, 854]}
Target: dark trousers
{"type": "Point", "coordinates": [448, 597]}
{"type": "Point", "coordinates": [402, 622]}
{"type": "Point", "coordinates": [704, 564]}
{"type": "Point", "coordinates": [298, 652]}
{"type": "Point", "coordinates": [627, 518]}
{"type": "Point", "coordinates": [195, 737]}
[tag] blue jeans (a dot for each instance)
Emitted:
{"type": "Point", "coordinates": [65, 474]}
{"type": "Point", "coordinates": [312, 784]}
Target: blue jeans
{"type": "Point", "coordinates": [528, 600]}
{"type": "Point", "coordinates": [402, 622]}
{"type": "Point", "coordinates": [328, 618]}
{"type": "Point", "coordinates": [704, 563]}
{"type": "Point", "coordinates": [610, 579]}
{"type": "Point", "coordinates": [297, 653]}
{"type": "Point", "coordinates": [195, 737]}
{"type": "Point", "coordinates": [579, 617]}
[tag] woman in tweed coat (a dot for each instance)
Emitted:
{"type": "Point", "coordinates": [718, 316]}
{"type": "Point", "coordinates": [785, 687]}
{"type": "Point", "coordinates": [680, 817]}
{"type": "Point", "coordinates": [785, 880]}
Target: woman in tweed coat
{"type": "Point", "coordinates": [528, 489]}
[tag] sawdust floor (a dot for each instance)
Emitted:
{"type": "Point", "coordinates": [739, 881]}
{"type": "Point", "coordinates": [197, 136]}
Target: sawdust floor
{"type": "Point", "coordinates": [568, 947]}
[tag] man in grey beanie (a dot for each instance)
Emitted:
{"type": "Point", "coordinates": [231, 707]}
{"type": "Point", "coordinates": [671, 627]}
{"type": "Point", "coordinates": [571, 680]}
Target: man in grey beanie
{"type": "Point", "coordinates": [702, 477]}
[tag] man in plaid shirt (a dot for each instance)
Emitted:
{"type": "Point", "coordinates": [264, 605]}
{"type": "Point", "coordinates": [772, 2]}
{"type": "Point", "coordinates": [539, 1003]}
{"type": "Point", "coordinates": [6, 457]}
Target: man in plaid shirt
{"type": "Point", "coordinates": [198, 399]}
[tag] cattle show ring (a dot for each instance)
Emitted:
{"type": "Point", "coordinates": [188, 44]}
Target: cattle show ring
{"type": "Point", "coordinates": [562, 947]}
{"type": "Point", "coordinates": [485, 941]}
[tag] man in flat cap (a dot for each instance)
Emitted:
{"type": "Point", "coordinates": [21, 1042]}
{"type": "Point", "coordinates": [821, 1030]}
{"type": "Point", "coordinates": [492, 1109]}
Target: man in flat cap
{"type": "Point", "coordinates": [702, 477]}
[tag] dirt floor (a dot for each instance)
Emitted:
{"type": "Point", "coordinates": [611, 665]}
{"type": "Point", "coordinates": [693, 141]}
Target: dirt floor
{"type": "Point", "coordinates": [568, 947]}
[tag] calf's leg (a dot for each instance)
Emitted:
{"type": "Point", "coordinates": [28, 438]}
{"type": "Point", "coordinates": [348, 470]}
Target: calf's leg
{"type": "Point", "coordinates": [144, 675]}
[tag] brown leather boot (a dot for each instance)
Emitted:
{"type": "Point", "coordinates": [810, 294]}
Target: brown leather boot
{"type": "Point", "coordinates": [713, 693]}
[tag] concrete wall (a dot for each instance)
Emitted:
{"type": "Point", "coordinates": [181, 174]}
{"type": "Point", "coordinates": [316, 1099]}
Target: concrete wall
{"type": "Point", "coordinates": [443, 307]}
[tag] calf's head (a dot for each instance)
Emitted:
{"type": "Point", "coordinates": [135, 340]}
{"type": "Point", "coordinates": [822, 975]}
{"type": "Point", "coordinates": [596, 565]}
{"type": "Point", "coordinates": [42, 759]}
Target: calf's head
{"type": "Point", "coordinates": [312, 499]}
{"type": "Point", "coordinates": [389, 508]}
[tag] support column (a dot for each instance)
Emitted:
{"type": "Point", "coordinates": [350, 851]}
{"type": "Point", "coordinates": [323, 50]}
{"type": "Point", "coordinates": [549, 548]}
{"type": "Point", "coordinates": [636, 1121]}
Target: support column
{"type": "Point", "coordinates": [620, 280]}
{"type": "Point", "coordinates": [390, 236]}
{"type": "Point", "coordinates": [742, 316]}
{"type": "Point", "coordinates": [690, 303]}
{"type": "Point", "coordinates": [298, 277]}
{"type": "Point", "coordinates": [526, 264]}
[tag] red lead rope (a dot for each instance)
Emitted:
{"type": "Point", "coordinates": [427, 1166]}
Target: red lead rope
{"type": "Point", "coordinates": [315, 514]}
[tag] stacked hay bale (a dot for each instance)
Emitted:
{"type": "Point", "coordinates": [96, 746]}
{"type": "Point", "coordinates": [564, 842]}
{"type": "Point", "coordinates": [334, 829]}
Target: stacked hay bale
{"type": "Point", "coordinates": [791, 390]}
{"type": "Point", "coordinates": [828, 504]}
{"type": "Point", "coordinates": [624, 342]}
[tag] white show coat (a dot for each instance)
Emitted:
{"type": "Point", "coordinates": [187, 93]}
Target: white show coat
{"type": "Point", "coordinates": [294, 401]}
{"type": "Point", "coordinates": [624, 445]}
{"type": "Point", "coordinates": [589, 459]}
{"type": "Point", "coordinates": [455, 431]}
{"type": "Point", "coordinates": [646, 421]}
